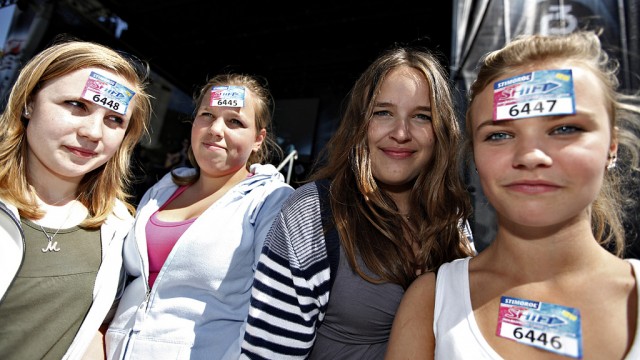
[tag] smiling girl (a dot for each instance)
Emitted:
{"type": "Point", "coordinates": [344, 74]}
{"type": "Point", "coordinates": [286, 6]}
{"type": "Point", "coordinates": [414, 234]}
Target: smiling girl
{"type": "Point", "coordinates": [550, 285]}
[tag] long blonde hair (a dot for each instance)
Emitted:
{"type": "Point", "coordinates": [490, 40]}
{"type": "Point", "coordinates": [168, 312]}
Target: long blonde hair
{"type": "Point", "coordinates": [99, 188]}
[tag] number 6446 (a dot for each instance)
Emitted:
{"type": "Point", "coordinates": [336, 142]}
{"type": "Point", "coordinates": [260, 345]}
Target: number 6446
{"type": "Point", "coordinates": [554, 341]}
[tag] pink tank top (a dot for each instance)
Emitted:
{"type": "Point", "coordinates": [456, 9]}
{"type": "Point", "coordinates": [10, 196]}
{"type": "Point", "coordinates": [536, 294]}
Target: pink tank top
{"type": "Point", "coordinates": [162, 236]}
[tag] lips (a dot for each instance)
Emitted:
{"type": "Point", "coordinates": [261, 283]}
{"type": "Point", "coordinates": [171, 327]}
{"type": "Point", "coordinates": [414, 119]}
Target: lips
{"type": "Point", "coordinates": [397, 153]}
{"type": "Point", "coordinates": [81, 152]}
{"type": "Point", "coordinates": [532, 186]}
{"type": "Point", "coordinates": [212, 146]}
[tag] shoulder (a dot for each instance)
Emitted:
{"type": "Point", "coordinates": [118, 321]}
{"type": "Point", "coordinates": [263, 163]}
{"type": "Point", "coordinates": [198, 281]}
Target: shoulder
{"type": "Point", "coordinates": [422, 288]}
{"type": "Point", "coordinates": [412, 330]}
{"type": "Point", "coordinates": [305, 194]}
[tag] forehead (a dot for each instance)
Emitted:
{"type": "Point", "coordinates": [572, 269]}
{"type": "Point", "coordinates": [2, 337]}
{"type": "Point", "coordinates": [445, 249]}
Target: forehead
{"type": "Point", "coordinates": [78, 78]}
{"type": "Point", "coordinates": [404, 80]}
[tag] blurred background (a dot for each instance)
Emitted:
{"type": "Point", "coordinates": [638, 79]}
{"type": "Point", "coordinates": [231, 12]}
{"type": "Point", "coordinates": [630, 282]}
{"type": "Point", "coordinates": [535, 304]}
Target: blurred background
{"type": "Point", "coordinates": [310, 54]}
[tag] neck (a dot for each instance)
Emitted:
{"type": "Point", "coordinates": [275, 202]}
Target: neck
{"type": "Point", "coordinates": [209, 185]}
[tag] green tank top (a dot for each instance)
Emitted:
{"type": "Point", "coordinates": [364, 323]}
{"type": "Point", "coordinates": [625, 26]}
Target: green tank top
{"type": "Point", "coordinates": [51, 294]}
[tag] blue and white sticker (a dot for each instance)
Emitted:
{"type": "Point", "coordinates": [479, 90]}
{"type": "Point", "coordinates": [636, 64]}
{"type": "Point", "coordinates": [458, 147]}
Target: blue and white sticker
{"type": "Point", "coordinates": [107, 93]}
{"type": "Point", "coordinates": [227, 96]}
{"type": "Point", "coordinates": [547, 326]}
{"type": "Point", "coordinates": [538, 93]}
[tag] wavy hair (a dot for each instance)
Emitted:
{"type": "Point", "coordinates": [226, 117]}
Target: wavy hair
{"type": "Point", "coordinates": [583, 49]}
{"type": "Point", "coordinates": [367, 219]}
{"type": "Point", "coordinates": [99, 188]}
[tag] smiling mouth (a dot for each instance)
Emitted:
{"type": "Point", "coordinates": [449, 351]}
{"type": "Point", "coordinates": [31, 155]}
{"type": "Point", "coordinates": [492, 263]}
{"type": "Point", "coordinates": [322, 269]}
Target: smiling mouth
{"type": "Point", "coordinates": [81, 152]}
{"type": "Point", "coordinates": [213, 146]}
{"type": "Point", "coordinates": [527, 188]}
{"type": "Point", "coordinates": [397, 154]}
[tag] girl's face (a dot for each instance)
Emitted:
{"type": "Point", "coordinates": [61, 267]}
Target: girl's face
{"type": "Point", "coordinates": [69, 136]}
{"type": "Point", "coordinates": [224, 137]}
{"type": "Point", "coordinates": [545, 170]}
{"type": "Point", "coordinates": [400, 133]}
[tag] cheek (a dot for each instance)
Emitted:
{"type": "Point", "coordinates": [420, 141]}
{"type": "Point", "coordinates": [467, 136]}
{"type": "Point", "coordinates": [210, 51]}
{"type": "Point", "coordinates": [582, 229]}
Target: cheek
{"type": "Point", "coordinates": [374, 133]}
{"type": "Point", "coordinates": [114, 140]}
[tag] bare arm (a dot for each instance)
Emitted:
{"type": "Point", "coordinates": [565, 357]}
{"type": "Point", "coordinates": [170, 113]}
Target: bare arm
{"type": "Point", "coordinates": [412, 332]}
{"type": "Point", "coordinates": [96, 350]}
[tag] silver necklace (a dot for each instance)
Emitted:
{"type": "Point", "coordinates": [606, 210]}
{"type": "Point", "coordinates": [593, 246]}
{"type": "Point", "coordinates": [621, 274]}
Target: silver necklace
{"type": "Point", "coordinates": [52, 246]}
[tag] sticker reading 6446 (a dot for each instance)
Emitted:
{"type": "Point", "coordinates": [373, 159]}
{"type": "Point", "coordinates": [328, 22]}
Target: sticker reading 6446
{"type": "Point", "coordinates": [552, 327]}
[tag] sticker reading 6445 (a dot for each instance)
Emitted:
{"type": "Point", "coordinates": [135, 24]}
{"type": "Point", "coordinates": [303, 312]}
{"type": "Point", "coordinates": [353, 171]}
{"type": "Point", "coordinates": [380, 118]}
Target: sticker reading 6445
{"type": "Point", "coordinates": [227, 96]}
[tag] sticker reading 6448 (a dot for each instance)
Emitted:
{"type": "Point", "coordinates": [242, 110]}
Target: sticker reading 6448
{"type": "Point", "coordinates": [106, 102]}
{"type": "Point", "coordinates": [107, 93]}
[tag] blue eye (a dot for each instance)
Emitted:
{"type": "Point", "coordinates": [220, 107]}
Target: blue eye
{"type": "Point", "coordinates": [236, 122]}
{"type": "Point", "coordinates": [496, 136]}
{"type": "Point", "coordinates": [382, 113]}
{"type": "Point", "coordinates": [424, 117]}
{"type": "Point", "coordinates": [117, 119]}
{"type": "Point", "coordinates": [565, 129]}
{"type": "Point", "coordinates": [78, 104]}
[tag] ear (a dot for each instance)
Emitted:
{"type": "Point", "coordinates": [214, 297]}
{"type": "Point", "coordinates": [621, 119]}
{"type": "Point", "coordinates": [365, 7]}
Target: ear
{"type": "Point", "coordinates": [262, 134]}
{"type": "Point", "coordinates": [28, 109]}
{"type": "Point", "coordinates": [613, 150]}
{"type": "Point", "coordinates": [613, 147]}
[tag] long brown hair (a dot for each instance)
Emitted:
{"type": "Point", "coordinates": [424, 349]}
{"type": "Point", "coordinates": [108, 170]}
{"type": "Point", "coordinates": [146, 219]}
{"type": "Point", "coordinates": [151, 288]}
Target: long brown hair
{"type": "Point", "coordinates": [365, 216]}
{"type": "Point", "coordinates": [582, 48]}
{"type": "Point", "coordinates": [99, 188]}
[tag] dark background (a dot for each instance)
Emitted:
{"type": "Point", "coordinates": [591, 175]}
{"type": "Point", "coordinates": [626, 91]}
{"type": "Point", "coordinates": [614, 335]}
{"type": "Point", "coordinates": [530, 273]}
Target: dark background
{"type": "Point", "coordinates": [310, 54]}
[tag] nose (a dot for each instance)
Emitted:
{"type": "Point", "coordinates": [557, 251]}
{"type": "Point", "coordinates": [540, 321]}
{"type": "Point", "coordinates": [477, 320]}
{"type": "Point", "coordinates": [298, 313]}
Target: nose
{"type": "Point", "coordinates": [91, 126]}
{"type": "Point", "coordinates": [530, 154]}
{"type": "Point", "coordinates": [217, 127]}
{"type": "Point", "coordinates": [400, 131]}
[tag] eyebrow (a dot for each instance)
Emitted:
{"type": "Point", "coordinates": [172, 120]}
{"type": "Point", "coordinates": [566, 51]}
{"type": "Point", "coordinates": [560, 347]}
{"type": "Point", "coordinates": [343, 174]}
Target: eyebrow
{"type": "Point", "coordinates": [548, 118]}
{"type": "Point", "coordinates": [485, 123]}
{"type": "Point", "coordinates": [388, 104]}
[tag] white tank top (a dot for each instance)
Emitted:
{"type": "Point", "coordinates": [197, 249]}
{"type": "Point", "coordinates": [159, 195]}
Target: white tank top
{"type": "Point", "coordinates": [454, 326]}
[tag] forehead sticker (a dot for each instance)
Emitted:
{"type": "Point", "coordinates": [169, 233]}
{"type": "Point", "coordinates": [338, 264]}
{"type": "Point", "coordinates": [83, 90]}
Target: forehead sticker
{"type": "Point", "coordinates": [107, 93]}
{"type": "Point", "coordinates": [538, 93]}
{"type": "Point", "coordinates": [227, 96]}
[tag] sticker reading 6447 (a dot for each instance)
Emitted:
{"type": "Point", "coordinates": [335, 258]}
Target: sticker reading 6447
{"type": "Point", "coordinates": [539, 93]}
{"type": "Point", "coordinates": [535, 108]}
